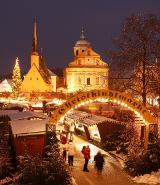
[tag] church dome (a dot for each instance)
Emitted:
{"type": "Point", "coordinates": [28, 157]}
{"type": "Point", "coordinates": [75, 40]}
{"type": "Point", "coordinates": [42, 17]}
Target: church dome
{"type": "Point", "coordinates": [82, 42]}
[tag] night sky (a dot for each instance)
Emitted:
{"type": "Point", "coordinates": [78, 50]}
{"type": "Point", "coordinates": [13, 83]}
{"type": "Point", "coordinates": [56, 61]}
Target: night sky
{"type": "Point", "coordinates": [59, 26]}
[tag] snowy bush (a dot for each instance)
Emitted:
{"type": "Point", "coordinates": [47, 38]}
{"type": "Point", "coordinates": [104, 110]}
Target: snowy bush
{"type": "Point", "coordinates": [6, 158]}
{"type": "Point", "coordinates": [5, 166]}
{"type": "Point", "coordinates": [112, 141]}
{"type": "Point", "coordinates": [123, 115]}
{"type": "Point", "coordinates": [120, 140]}
{"type": "Point", "coordinates": [140, 162]}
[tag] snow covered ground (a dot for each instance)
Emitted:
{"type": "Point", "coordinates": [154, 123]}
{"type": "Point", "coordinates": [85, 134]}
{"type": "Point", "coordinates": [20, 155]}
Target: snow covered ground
{"type": "Point", "coordinates": [147, 179]}
{"type": "Point", "coordinates": [153, 178]}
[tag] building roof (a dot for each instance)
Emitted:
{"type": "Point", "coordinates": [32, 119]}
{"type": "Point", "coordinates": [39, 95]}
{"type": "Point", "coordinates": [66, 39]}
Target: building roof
{"type": "Point", "coordinates": [27, 115]}
{"type": "Point", "coordinates": [78, 115]}
{"type": "Point", "coordinates": [44, 71]}
{"type": "Point", "coordinates": [95, 120]}
{"type": "Point", "coordinates": [51, 73]}
{"type": "Point", "coordinates": [28, 127]}
{"type": "Point", "coordinates": [82, 42]}
{"type": "Point", "coordinates": [8, 112]}
{"type": "Point", "coordinates": [5, 86]}
{"type": "Point", "coordinates": [89, 119]}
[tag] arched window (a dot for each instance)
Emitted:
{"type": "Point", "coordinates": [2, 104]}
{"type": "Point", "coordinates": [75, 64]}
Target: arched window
{"type": "Point", "coordinates": [88, 81]}
{"type": "Point", "coordinates": [79, 62]}
{"type": "Point", "coordinates": [76, 52]}
{"type": "Point", "coordinates": [97, 80]}
{"type": "Point", "coordinates": [79, 80]}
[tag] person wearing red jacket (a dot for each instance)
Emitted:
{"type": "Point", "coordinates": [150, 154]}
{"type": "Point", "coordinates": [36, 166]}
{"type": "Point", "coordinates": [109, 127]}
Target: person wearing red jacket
{"type": "Point", "coordinates": [86, 153]}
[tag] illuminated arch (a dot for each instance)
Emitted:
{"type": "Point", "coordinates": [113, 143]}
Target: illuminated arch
{"type": "Point", "coordinates": [118, 97]}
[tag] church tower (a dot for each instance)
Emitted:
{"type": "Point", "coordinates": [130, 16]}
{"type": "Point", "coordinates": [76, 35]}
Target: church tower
{"type": "Point", "coordinates": [87, 71]}
{"type": "Point", "coordinates": [39, 78]}
{"type": "Point", "coordinates": [34, 52]}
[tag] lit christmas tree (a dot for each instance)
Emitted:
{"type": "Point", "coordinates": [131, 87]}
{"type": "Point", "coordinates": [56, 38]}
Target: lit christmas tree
{"type": "Point", "coordinates": [16, 79]}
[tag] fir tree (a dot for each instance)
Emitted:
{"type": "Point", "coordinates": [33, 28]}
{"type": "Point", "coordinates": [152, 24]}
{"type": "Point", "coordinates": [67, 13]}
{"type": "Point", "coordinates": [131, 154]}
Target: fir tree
{"type": "Point", "coordinates": [16, 79]}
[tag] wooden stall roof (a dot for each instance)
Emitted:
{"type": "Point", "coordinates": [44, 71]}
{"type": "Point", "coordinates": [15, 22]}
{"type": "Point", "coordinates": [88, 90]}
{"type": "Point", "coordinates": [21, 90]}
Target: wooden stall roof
{"type": "Point", "coordinates": [27, 115]}
{"type": "Point", "coordinates": [94, 120]}
{"type": "Point", "coordinates": [28, 127]}
{"type": "Point", "coordinates": [78, 115]}
{"type": "Point", "coordinates": [8, 112]}
{"type": "Point", "coordinates": [89, 119]}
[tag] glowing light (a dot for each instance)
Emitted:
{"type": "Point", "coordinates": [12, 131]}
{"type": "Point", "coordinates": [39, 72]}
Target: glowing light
{"type": "Point", "coordinates": [56, 101]}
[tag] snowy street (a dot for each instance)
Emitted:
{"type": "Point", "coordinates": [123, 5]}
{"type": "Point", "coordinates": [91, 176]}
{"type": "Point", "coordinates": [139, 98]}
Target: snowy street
{"type": "Point", "coordinates": [112, 174]}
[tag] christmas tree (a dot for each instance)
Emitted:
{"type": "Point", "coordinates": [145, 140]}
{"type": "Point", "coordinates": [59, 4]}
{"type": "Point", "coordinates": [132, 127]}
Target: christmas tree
{"type": "Point", "coordinates": [16, 79]}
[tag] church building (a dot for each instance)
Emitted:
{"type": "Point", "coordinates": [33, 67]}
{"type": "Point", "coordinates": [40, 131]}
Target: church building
{"type": "Point", "coordinates": [39, 78]}
{"type": "Point", "coordinates": [87, 71]}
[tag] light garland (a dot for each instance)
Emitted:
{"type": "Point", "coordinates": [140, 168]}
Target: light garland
{"type": "Point", "coordinates": [102, 100]}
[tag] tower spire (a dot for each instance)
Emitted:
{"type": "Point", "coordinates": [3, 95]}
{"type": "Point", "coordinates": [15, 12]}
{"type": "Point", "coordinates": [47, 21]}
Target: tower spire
{"type": "Point", "coordinates": [35, 40]}
{"type": "Point", "coordinates": [82, 34]}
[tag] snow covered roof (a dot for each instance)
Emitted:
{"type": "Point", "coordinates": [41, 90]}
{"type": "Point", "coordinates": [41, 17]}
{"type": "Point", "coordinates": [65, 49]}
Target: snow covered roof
{"type": "Point", "coordinates": [78, 115]}
{"type": "Point", "coordinates": [11, 105]}
{"type": "Point", "coordinates": [89, 119]}
{"type": "Point", "coordinates": [8, 112]}
{"type": "Point", "coordinates": [94, 120]}
{"type": "Point", "coordinates": [51, 73]}
{"type": "Point", "coordinates": [5, 86]}
{"type": "Point", "coordinates": [28, 127]}
{"type": "Point", "coordinates": [27, 115]}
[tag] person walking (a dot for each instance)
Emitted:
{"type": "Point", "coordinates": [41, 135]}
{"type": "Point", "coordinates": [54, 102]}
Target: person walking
{"type": "Point", "coordinates": [65, 128]}
{"type": "Point", "coordinates": [71, 130]}
{"type": "Point", "coordinates": [71, 152]}
{"type": "Point", "coordinates": [99, 162]}
{"type": "Point", "coordinates": [63, 150]}
{"type": "Point", "coordinates": [86, 153]}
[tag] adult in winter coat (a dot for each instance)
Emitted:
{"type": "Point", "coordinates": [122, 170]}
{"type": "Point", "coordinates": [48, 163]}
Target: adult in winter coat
{"type": "Point", "coordinates": [63, 150]}
{"type": "Point", "coordinates": [99, 162]}
{"type": "Point", "coordinates": [86, 153]}
{"type": "Point", "coordinates": [71, 152]}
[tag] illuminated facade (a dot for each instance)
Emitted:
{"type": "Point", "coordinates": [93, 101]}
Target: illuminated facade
{"type": "Point", "coordinates": [87, 71]}
{"type": "Point", "coordinates": [39, 78]}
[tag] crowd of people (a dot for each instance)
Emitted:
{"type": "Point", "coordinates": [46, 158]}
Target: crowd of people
{"type": "Point", "coordinates": [68, 149]}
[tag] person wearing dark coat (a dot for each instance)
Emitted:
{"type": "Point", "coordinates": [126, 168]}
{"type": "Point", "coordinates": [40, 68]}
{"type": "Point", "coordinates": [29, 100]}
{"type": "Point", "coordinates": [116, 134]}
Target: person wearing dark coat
{"type": "Point", "coordinates": [99, 162]}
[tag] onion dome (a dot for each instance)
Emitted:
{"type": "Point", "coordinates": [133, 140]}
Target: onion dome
{"type": "Point", "coordinates": [82, 42]}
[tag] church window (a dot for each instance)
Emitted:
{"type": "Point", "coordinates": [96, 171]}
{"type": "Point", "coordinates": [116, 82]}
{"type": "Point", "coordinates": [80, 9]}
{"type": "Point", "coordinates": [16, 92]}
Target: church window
{"type": "Point", "coordinates": [76, 52]}
{"type": "Point", "coordinates": [88, 81]}
{"type": "Point", "coordinates": [88, 52]}
{"type": "Point", "coordinates": [103, 82]}
{"type": "Point", "coordinates": [97, 80]}
{"type": "Point", "coordinates": [79, 80]}
{"type": "Point", "coordinates": [37, 78]}
{"type": "Point", "coordinates": [79, 62]}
